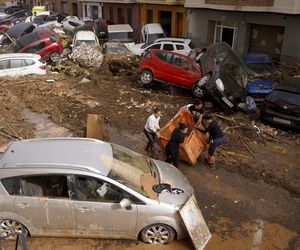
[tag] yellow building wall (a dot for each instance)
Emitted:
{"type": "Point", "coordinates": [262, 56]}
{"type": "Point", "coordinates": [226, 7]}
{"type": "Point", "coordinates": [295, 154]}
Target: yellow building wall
{"type": "Point", "coordinates": [177, 29]}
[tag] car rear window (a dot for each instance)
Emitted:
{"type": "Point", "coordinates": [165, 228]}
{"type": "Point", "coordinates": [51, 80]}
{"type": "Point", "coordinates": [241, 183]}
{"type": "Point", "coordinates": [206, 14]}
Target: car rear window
{"type": "Point", "coordinates": [285, 97]}
{"type": "Point", "coordinates": [11, 185]}
{"type": "Point", "coordinates": [179, 47]}
{"type": "Point", "coordinates": [192, 45]}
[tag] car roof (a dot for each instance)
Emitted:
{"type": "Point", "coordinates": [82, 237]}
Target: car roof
{"type": "Point", "coordinates": [18, 29]}
{"type": "Point", "coordinates": [85, 35]}
{"type": "Point", "coordinates": [20, 56]}
{"type": "Point", "coordinates": [174, 40]}
{"type": "Point", "coordinates": [291, 84]}
{"type": "Point", "coordinates": [153, 28]}
{"type": "Point", "coordinates": [81, 153]}
{"type": "Point", "coordinates": [253, 58]}
{"type": "Point", "coordinates": [114, 28]}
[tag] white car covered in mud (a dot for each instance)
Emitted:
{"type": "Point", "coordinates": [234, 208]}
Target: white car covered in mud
{"type": "Point", "coordinates": [89, 188]}
{"type": "Point", "coordinates": [19, 64]}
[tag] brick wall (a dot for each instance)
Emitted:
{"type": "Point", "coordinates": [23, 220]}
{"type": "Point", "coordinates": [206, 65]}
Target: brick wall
{"type": "Point", "coordinates": [242, 2]}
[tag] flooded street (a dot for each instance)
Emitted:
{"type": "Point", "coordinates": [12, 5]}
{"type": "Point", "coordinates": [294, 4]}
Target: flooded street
{"type": "Point", "coordinates": [241, 213]}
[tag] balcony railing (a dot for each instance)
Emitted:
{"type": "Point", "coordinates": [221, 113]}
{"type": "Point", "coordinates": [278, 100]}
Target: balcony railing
{"type": "Point", "coordinates": [258, 3]}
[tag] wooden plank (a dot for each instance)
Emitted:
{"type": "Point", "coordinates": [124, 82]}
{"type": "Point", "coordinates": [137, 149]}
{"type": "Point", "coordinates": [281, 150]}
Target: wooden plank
{"type": "Point", "coordinates": [95, 127]}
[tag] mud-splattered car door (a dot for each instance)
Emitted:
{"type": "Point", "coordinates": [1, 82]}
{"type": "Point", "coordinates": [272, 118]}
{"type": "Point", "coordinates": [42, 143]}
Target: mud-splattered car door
{"type": "Point", "coordinates": [46, 204]}
{"type": "Point", "coordinates": [98, 209]}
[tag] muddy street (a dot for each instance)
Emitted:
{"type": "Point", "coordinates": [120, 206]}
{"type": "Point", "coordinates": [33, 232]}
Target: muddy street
{"type": "Point", "coordinates": [250, 201]}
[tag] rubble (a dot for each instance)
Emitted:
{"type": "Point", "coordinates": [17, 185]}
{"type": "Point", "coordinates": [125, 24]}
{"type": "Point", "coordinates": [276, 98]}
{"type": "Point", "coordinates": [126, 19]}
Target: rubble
{"type": "Point", "coordinates": [88, 55]}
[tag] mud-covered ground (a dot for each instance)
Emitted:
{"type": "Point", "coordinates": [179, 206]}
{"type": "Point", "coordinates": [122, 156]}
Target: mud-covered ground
{"type": "Point", "coordinates": [250, 200]}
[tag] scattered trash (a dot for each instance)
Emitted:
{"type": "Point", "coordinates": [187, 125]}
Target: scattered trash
{"type": "Point", "coordinates": [85, 80]}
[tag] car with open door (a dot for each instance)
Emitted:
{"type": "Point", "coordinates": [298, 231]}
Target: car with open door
{"type": "Point", "coordinates": [170, 67]}
{"type": "Point", "coordinates": [79, 187]}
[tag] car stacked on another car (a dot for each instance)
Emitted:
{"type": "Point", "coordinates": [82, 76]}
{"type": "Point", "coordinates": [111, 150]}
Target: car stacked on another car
{"type": "Point", "coordinates": [179, 45]}
{"type": "Point", "coordinates": [85, 187]}
{"type": "Point", "coordinates": [17, 64]}
{"type": "Point", "coordinates": [42, 41]}
{"type": "Point", "coordinates": [282, 105]}
{"type": "Point", "coordinates": [170, 67]}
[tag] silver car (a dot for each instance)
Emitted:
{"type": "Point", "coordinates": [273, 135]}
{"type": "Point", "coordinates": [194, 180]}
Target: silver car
{"type": "Point", "coordinates": [89, 188]}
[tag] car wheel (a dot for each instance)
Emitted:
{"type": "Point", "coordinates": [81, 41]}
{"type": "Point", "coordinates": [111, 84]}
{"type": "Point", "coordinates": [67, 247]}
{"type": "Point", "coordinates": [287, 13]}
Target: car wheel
{"type": "Point", "coordinates": [199, 87]}
{"type": "Point", "coordinates": [10, 228]}
{"type": "Point", "coordinates": [54, 57]}
{"type": "Point", "coordinates": [158, 234]}
{"type": "Point", "coordinates": [146, 77]}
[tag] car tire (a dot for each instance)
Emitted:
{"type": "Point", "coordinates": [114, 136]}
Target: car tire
{"type": "Point", "coordinates": [158, 234]}
{"type": "Point", "coordinates": [10, 228]}
{"type": "Point", "coordinates": [146, 77]}
{"type": "Point", "coordinates": [199, 87]}
{"type": "Point", "coordinates": [54, 57]}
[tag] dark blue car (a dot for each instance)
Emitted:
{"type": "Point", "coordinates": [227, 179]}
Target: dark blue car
{"type": "Point", "coordinates": [262, 65]}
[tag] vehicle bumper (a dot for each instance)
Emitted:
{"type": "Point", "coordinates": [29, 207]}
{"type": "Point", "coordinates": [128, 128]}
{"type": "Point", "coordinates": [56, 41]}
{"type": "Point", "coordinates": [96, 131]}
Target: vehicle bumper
{"type": "Point", "coordinates": [279, 118]}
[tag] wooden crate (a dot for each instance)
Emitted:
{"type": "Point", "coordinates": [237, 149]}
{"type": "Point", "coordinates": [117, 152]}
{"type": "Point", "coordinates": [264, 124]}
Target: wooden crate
{"type": "Point", "coordinates": [194, 143]}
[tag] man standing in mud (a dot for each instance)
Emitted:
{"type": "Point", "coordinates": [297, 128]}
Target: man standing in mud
{"type": "Point", "coordinates": [216, 138]}
{"type": "Point", "coordinates": [172, 148]}
{"type": "Point", "coordinates": [151, 129]}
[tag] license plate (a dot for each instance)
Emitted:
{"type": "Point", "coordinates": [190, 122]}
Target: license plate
{"type": "Point", "coordinates": [276, 119]}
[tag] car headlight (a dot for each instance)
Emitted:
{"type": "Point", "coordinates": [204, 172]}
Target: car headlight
{"type": "Point", "coordinates": [220, 84]}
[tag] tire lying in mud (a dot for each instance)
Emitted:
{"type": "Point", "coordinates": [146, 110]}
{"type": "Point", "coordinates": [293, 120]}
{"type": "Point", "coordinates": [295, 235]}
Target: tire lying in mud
{"type": "Point", "coordinates": [157, 234]}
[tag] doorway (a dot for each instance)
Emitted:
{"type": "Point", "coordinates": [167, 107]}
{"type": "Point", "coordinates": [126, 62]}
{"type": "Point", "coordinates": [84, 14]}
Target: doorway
{"type": "Point", "coordinates": [166, 21]}
{"type": "Point", "coordinates": [225, 33]}
{"type": "Point", "coordinates": [95, 14]}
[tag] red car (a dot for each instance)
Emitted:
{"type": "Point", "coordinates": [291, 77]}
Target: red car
{"type": "Point", "coordinates": [170, 67]}
{"type": "Point", "coordinates": [41, 41]}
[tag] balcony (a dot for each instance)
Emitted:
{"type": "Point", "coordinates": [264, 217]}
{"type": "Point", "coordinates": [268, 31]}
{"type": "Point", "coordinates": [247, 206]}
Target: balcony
{"type": "Point", "coordinates": [275, 6]}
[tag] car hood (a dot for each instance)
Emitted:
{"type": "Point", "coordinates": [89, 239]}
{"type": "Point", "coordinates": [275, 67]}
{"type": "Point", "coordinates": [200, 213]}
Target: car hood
{"type": "Point", "coordinates": [171, 175]}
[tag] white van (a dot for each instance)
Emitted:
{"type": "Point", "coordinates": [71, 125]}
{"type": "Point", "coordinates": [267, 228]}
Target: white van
{"type": "Point", "coordinates": [120, 33]}
{"type": "Point", "coordinates": [150, 32]}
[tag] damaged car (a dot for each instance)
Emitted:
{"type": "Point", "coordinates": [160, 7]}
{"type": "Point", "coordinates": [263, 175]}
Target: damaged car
{"type": "Point", "coordinates": [263, 66]}
{"type": "Point", "coordinates": [170, 67]}
{"type": "Point", "coordinates": [282, 105]}
{"type": "Point", "coordinates": [42, 41]}
{"type": "Point", "coordinates": [79, 187]}
{"type": "Point", "coordinates": [225, 76]}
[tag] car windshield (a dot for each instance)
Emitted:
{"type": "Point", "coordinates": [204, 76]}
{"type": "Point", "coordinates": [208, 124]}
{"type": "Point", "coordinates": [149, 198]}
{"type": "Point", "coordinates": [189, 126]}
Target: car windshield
{"type": "Point", "coordinates": [153, 37]}
{"type": "Point", "coordinates": [285, 97]}
{"type": "Point", "coordinates": [120, 36]}
{"type": "Point", "coordinates": [229, 63]}
{"type": "Point", "coordinates": [262, 68]}
{"type": "Point", "coordinates": [79, 42]}
{"type": "Point", "coordinates": [115, 48]}
{"type": "Point", "coordinates": [132, 169]}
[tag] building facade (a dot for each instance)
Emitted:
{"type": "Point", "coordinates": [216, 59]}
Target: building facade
{"type": "Point", "coordinates": [267, 26]}
{"type": "Point", "coordinates": [171, 14]}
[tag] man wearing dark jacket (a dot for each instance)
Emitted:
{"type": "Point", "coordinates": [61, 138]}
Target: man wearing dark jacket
{"type": "Point", "coordinates": [172, 148]}
{"type": "Point", "coordinates": [216, 138]}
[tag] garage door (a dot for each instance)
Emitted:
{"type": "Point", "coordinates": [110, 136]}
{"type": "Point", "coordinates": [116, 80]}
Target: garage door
{"type": "Point", "coordinates": [267, 39]}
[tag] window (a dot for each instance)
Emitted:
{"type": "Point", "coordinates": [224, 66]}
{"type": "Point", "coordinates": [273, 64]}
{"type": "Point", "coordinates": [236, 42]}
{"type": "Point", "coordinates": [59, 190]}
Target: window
{"type": "Point", "coordinates": [91, 189]}
{"type": "Point", "coordinates": [179, 61]}
{"type": "Point", "coordinates": [4, 64]}
{"type": "Point", "coordinates": [52, 38]}
{"type": "Point", "coordinates": [165, 57]}
{"type": "Point", "coordinates": [45, 186]}
{"type": "Point", "coordinates": [154, 46]}
{"type": "Point", "coordinates": [36, 48]}
{"type": "Point", "coordinates": [179, 47]}
{"type": "Point", "coordinates": [111, 14]}
{"type": "Point", "coordinates": [147, 55]}
{"type": "Point", "coordinates": [27, 62]}
{"type": "Point", "coordinates": [12, 185]}
{"type": "Point", "coordinates": [168, 46]}
{"type": "Point", "coordinates": [15, 63]}
{"type": "Point", "coordinates": [74, 24]}
{"type": "Point", "coordinates": [129, 16]}
{"type": "Point", "coordinates": [225, 33]}
{"type": "Point", "coordinates": [149, 16]}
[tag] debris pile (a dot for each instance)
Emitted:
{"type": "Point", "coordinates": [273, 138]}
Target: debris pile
{"type": "Point", "coordinates": [88, 55]}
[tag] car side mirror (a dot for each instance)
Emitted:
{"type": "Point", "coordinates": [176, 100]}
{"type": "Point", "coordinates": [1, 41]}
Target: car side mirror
{"type": "Point", "coordinates": [125, 203]}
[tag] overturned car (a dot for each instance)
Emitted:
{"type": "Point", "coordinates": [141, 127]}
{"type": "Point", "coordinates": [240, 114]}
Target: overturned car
{"type": "Point", "coordinates": [225, 76]}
